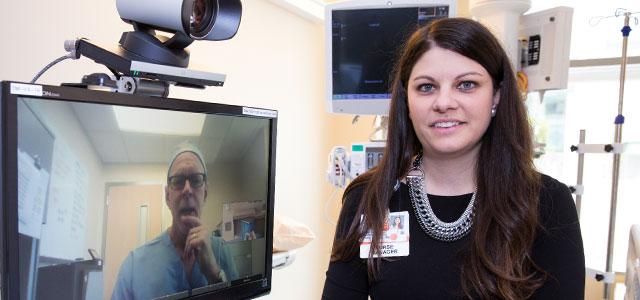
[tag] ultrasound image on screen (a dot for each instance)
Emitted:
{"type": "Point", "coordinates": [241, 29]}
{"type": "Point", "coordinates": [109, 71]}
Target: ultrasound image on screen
{"type": "Point", "coordinates": [366, 44]}
{"type": "Point", "coordinates": [172, 203]}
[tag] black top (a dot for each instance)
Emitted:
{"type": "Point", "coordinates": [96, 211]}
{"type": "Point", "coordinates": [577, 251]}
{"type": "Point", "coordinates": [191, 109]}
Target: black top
{"type": "Point", "coordinates": [431, 269]}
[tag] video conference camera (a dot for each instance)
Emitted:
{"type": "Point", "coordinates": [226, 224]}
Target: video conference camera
{"type": "Point", "coordinates": [188, 20]}
{"type": "Point", "coordinates": [146, 58]}
{"type": "Point", "coordinates": [213, 20]}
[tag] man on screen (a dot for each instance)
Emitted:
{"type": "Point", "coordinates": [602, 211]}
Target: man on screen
{"type": "Point", "coordinates": [186, 255]}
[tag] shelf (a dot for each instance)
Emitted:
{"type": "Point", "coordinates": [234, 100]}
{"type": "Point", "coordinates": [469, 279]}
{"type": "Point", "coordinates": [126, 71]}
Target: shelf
{"type": "Point", "coordinates": [283, 259]}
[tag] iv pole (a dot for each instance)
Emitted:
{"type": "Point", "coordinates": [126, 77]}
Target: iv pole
{"type": "Point", "coordinates": [616, 149]}
{"type": "Point", "coordinates": [619, 121]}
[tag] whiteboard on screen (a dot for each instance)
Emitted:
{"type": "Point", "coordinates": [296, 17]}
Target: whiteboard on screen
{"type": "Point", "coordinates": [63, 233]}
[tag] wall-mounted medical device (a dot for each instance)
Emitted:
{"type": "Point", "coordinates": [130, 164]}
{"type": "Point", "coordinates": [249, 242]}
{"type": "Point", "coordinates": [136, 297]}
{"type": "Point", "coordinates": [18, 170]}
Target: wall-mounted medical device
{"type": "Point", "coordinates": [344, 165]}
{"type": "Point", "coordinates": [545, 43]}
{"type": "Point", "coordinates": [363, 38]}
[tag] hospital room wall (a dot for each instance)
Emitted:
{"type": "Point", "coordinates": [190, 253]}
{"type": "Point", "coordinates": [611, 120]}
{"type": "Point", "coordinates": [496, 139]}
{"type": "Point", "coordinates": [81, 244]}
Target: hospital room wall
{"type": "Point", "coordinates": [71, 140]}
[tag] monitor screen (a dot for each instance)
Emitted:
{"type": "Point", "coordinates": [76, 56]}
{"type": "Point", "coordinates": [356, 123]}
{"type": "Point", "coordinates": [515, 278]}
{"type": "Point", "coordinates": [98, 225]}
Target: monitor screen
{"type": "Point", "coordinates": [111, 196]}
{"type": "Point", "coordinates": [363, 40]}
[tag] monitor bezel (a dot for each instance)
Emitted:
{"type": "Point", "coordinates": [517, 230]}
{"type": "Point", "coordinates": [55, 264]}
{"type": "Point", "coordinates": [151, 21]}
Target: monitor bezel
{"type": "Point", "coordinates": [361, 106]}
{"type": "Point", "coordinates": [10, 286]}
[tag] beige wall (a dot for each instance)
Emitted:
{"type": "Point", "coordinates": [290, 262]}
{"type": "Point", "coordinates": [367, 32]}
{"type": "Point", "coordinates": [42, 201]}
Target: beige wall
{"type": "Point", "coordinates": [34, 31]}
{"type": "Point", "coordinates": [135, 173]}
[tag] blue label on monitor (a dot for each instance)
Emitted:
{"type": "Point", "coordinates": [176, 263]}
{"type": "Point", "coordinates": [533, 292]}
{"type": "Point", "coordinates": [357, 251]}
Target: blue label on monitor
{"type": "Point", "coordinates": [361, 96]}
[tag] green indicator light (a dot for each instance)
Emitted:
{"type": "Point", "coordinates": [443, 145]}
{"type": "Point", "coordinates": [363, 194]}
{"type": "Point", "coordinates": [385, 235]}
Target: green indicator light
{"type": "Point", "coordinates": [357, 148]}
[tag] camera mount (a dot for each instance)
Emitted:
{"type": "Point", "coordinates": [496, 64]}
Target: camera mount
{"type": "Point", "coordinates": [136, 76]}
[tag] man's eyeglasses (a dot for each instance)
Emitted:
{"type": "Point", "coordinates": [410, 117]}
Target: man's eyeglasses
{"type": "Point", "coordinates": [196, 180]}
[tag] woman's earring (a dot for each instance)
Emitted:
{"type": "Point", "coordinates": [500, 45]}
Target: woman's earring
{"type": "Point", "coordinates": [494, 109]}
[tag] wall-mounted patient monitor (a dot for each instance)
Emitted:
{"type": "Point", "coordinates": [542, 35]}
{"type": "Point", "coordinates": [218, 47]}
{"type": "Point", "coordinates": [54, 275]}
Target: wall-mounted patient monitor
{"type": "Point", "coordinates": [363, 38]}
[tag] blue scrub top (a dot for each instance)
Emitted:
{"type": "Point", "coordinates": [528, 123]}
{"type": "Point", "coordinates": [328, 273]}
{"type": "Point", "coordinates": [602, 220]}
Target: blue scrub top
{"type": "Point", "coordinates": [155, 269]}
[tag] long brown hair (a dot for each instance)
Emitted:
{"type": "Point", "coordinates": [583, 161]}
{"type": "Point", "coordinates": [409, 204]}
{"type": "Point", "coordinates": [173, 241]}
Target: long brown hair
{"type": "Point", "coordinates": [497, 262]}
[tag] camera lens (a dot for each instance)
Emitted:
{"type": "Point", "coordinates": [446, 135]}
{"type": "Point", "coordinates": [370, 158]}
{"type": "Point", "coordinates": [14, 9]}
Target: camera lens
{"type": "Point", "coordinates": [200, 19]}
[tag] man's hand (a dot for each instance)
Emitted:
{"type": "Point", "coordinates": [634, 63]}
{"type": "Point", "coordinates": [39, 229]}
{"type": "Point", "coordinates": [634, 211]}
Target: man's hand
{"type": "Point", "coordinates": [198, 246]}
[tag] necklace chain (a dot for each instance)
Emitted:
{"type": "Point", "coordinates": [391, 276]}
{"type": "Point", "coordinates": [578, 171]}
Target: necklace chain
{"type": "Point", "coordinates": [434, 227]}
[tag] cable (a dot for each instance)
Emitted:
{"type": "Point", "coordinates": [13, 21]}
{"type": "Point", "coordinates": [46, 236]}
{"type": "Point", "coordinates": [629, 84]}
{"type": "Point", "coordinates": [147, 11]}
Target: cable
{"type": "Point", "coordinates": [72, 47]}
{"type": "Point", "coordinates": [355, 120]}
{"type": "Point", "coordinates": [51, 64]}
{"type": "Point", "coordinates": [619, 12]}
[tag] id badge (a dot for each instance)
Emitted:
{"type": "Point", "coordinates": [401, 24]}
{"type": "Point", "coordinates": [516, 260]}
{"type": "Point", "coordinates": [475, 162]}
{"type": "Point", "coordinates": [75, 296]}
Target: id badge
{"type": "Point", "coordinates": [395, 237]}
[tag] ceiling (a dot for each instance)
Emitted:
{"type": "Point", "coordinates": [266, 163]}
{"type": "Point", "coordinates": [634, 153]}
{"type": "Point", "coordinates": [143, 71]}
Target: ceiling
{"type": "Point", "coordinates": [224, 139]}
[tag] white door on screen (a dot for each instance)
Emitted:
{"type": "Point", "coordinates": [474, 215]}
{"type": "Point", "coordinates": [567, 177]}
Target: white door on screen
{"type": "Point", "coordinates": [134, 216]}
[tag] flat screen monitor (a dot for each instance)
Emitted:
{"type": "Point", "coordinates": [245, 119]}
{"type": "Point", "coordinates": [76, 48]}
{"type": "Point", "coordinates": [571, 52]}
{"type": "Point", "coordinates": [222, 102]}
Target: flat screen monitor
{"type": "Point", "coordinates": [363, 38]}
{"type": "Point", "coordinates": [92, 208]}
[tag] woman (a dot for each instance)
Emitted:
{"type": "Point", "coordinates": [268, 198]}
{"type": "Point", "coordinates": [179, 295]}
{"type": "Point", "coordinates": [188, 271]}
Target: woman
{"type": "Point", "coordinates": [483, 223]}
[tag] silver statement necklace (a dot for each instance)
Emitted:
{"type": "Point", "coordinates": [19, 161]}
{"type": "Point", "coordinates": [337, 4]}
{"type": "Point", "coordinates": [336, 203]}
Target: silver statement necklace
{"type": "Point", "coordinates": [434, 227]}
